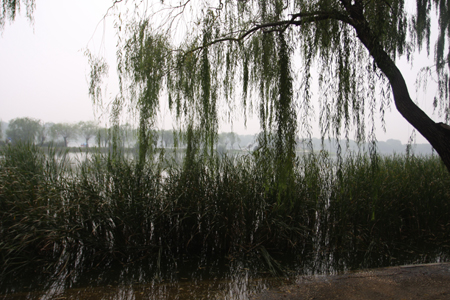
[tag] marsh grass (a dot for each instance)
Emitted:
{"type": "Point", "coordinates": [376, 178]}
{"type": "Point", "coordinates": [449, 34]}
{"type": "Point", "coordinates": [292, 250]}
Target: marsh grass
{"type": "Point", "coordinates": [111, 210]}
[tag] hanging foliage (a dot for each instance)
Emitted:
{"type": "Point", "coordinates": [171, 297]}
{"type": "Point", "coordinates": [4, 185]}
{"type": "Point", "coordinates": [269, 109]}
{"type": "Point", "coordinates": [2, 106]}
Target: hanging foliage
{"type": "Point", "coordinates": [239, 57]}
{"type": "Point", "coordinates": [142, 68]}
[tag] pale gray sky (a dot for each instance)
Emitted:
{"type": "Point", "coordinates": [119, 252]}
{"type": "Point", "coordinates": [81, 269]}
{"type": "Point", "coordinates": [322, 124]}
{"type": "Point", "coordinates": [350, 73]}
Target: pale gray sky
{"type": "Point", "coordinates": [43, 72]}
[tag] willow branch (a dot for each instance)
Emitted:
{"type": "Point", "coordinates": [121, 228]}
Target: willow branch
{"type": "Point", "coordinates": [298, 19]}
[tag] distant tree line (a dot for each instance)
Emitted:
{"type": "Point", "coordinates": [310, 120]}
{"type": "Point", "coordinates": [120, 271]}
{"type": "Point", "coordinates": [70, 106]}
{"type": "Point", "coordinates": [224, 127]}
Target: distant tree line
{"type": "Point", "coordinates": [91, 133]}
{"type": "Point", "coordinates": [36, 131]}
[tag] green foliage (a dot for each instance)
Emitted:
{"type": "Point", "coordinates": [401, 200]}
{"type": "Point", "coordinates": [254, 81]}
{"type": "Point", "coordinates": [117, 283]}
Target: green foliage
{"type": "Point", "coordinates": [27, 188]}
{"type": "Point", "coordinates": [359, 210]}
{"type": "Point", "coordinates": [65, 131]}
{"type": "Point", "coordinates": [127, 135]}
{"type": "Point", "coordinates": [226, 139]}
{"type": "Point", "coordinates": [99, 68]}
{"type": "Point", "coordinates": [44, 132]}
{"type": "Point", "coordinates": [237, 58]}
{"type": "Point", "coordinates": [87, 130]}
{"type": "Point", "coordinates": [112, 210]}
{"type": "Point", "coordinates": [142, 64]}
{"type": "Point", "coordinates": [23, 130]}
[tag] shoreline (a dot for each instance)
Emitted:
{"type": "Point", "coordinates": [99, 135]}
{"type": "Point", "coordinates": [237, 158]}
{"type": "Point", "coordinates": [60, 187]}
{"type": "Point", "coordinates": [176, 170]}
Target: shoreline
{"type": "Point", "coordinates": [423, 281]}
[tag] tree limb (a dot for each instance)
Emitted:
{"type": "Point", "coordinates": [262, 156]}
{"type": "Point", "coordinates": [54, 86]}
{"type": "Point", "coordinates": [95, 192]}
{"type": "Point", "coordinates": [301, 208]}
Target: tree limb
{"type": "Point", "coordinates": [296, 19]}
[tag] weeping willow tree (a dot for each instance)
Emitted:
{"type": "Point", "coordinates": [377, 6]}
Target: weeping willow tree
{"type": "Point", "coordinates": [287, 59]}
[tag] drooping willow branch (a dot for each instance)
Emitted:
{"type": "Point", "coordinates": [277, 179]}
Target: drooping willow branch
{"type": "Point", "coordinates": [296, 19]}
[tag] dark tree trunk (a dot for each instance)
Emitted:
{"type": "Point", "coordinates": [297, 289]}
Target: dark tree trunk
{"type": "Point", "coordinates": [437, 134]}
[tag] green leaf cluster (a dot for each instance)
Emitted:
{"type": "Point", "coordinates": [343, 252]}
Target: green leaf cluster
{"type": "Point", "coordinates": [289, 62]}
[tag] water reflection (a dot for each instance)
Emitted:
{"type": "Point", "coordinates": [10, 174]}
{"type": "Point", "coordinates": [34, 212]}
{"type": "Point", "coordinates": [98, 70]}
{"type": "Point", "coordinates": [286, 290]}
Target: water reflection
{"type": "Point", "coordinates": [189, 279]}
{"type": "Point", "coordinates": [240, 281]}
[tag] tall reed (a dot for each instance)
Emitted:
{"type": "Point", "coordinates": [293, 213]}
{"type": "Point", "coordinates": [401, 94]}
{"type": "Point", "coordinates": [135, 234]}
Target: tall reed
{"type": "Point", "coordinates": [112, 210]}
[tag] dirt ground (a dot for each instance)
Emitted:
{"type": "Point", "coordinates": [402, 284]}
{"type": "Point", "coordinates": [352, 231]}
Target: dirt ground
{"type": "Point", "coordinates": [429, 281]}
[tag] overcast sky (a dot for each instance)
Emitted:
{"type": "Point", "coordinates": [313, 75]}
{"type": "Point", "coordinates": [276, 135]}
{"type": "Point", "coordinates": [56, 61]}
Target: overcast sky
{"type": "Point", "coordinates": [43, 72]}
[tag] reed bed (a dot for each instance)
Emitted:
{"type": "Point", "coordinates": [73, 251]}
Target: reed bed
{"type": "Point", "coordinates": [361, 211]}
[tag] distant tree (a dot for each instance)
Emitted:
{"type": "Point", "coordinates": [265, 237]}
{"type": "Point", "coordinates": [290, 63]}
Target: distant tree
{"type": "Point", "coordinates": [65, 131]}
{"type": "Point", "coordinates": [223, 140]}
{"type": "Point", "coordinates": [127, 134]}
{"type": "Point", "coordinates": [87, 130]}
{"type": "Point", "coordinates": [233, 138]}
{"type": "Point", "coordinates": [44, 132]}
{"type": "Point", "coordinates": [167, 138]}
{"type": "Point", "coordinates": [394, 143]}
{"type": "Point", "coordinates": [23, 129]}
{"type": "Point", "coordinates": [228, 138]}
{"type": "Point", "coordinates": [103, 137]}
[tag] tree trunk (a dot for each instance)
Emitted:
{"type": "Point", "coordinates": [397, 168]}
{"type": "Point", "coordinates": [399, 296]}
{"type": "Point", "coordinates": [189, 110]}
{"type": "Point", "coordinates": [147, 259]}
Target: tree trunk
{"type": "Point", "coordinates": [437, 134]}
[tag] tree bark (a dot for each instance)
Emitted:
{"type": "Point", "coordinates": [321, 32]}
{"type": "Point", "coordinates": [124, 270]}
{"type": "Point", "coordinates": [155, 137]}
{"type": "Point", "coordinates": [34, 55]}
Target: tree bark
{"type": "Point", "coordinates": [437, 134]}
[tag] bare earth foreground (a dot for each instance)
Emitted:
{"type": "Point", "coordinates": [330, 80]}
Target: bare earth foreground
{"type": "Point", "coordinates": [428, 281]}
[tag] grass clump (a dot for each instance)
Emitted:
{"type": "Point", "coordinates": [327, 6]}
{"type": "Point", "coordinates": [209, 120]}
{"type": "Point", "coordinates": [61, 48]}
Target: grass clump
{"type": "Point", "coordinates": [112, 210]}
